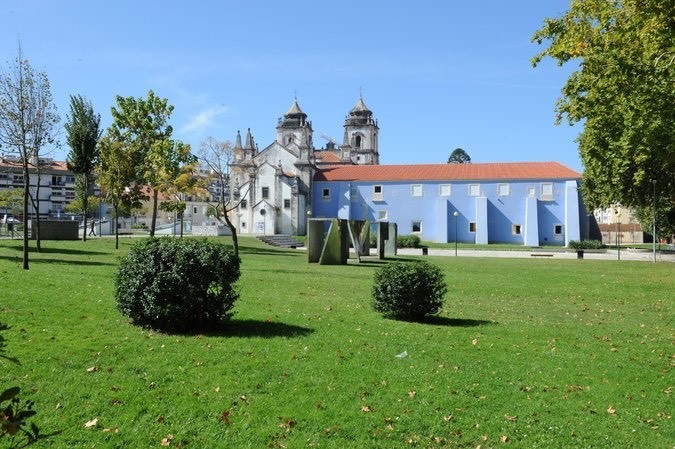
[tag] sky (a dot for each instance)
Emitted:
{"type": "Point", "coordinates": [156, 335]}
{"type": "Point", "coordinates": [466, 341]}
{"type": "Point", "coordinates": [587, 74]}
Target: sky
{"type": "Point", "coordinates": [437, 74]}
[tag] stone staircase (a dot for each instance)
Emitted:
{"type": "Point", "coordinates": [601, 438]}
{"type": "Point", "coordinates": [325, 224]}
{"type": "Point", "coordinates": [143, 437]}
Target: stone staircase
{"type": "Point", "coordinates": [283, 241]}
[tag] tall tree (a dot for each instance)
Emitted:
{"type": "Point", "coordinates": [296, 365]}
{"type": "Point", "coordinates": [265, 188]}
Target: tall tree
{"type": "Point", "coordinates": [459, 156]}
{"type": "Point", "coordinates": [116, 174]}
{"type": "Point", "coordinates": [83, 132]}
{"type": "Point", "coordinates": [143, 126]}
{"type": "Point", "coordinates": [216, 156]}
{"type": "Point", "coordinates": [27, 121]}
{"type": "Point", "coordinates": [623, 91]}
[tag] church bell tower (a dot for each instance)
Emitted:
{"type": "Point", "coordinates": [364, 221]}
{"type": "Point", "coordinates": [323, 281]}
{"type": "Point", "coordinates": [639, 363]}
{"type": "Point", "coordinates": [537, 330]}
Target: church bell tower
{"type": "Point", "coordinates": [360, 138]}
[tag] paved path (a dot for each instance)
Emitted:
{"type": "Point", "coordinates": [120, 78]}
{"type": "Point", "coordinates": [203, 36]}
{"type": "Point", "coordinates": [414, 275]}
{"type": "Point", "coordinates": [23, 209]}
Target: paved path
{"type": "Point", "coordinates": [611, 254]}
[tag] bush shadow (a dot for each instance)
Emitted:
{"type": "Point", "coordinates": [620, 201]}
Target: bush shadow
{"type": "Point", "coordinates": [450, 322]}
{"type": "Point", "coordinates": [254, 328]}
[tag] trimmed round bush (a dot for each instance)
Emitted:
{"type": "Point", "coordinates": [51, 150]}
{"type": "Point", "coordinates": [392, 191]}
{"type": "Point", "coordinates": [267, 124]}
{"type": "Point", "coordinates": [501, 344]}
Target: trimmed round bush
{"type": "Point", "coordinates": [174, 284]}
{"type": "Point", "coordinates": [409, 290]}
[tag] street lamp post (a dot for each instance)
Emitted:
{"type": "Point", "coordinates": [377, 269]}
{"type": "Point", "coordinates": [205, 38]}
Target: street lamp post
{"type": "Point", "coordinates": [456, 214]}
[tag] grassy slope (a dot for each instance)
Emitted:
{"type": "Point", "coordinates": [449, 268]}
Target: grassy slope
{"type": "Point", "coordinates": [544, 353]}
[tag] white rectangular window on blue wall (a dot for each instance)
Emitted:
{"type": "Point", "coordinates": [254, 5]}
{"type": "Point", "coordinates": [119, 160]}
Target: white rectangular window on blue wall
{"type": "Point", "coordinates": [416, 190]}
{"type": "Point", "coordinates": [474, 189]}
{"type": "Point", "coordinates": [382, 215]}
{"type": "Point", "coordinates": [531, 192]}
{"type": "Point", "coordinates": [503, 190]}
{"type": "Point", "coordinates": [378, 193]}
{"type": "Point", "coordinates": [444, 190]}
{"type": "Point", "coordinates": [547, 191]}
{"type": "Point", "coordinates": [416, 226]}
{"type": "Point", "coordinates": [325, 194]}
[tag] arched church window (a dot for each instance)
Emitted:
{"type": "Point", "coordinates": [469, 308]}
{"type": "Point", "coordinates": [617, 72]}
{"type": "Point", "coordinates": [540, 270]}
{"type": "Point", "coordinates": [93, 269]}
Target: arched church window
{"type": "Point", "coordinates": [357, 142]}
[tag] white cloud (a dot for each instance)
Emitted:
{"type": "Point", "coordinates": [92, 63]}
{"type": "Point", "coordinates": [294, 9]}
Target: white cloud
{"type": "Point", "coordinates": [204, 119]}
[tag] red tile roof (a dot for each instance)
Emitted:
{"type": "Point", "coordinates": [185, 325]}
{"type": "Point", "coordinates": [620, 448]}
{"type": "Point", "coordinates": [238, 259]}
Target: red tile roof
{"type": "Point", "coordinates": [447, 172]}
{"type": "Point", "coordinates": [326, 157]}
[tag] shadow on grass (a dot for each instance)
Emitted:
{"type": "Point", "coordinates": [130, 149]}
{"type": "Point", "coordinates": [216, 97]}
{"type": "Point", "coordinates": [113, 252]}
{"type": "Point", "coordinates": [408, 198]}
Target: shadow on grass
{"type": "Point", "coordinates": [4, 327]}
{"type": "Point", "coordinates": [255, 328]}
{"type": "Point", "coordinates": [44, 250]}
{"type": "Point", "coordinates": [33, 260]}
{"type": "Point", "coordinates": [271, 252]}
{"type": "Point", "coordinates": [450, 322]}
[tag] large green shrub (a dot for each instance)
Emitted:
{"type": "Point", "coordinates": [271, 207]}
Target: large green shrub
{"type": "Point", "coordinates": [177, 284]}
{"type": "Point", "coordinates": [409, 290]}
{"type": "Point", "coordinates": [408, 241]}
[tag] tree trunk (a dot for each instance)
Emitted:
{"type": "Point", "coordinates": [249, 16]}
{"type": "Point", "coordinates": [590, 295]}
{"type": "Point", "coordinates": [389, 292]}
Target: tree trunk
{"type": "Point", "coordinates": [155, 195]}
{"type": "Point", "coordinates": [26, 186]}
{"type": "Point", "coordinates": [117, 230]}
{"type": "Point", "coordinates": [85, 201]}
{"type": "Point", "coordinates": [233, 230]}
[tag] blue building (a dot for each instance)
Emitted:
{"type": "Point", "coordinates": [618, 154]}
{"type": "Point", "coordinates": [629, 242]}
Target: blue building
{"type": "Point", "coordinates": [532, 203]}
{"type": "Point", "coordinates": [278, 187]}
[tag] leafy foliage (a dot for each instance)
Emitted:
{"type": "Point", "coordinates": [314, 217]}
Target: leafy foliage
{"type": "Point", "coordinates": [177, 284]}
{"type": "Point", "coordinates": [13, 413]}
{"type": "Point", "coordinates": [27, 121]}
{"type": "Point", "coordinates": [83, 132]}
{"type": "Point", "coordinates": [116, 171]}
{"type": "Point", "coordinates": [623, 93]}
{"type": "Point", "coordinates": [459, 156]}
{"type": "Point", "coordinates": [10, 199]}
{"type": "Point", "coordinates": [409, 290]}
{"type": "Point", "coordinates": [586, 244]}
{"type": "Point", "coordinates": [408, 241]}
{"type": "Point", "coordinates": [141, 126]}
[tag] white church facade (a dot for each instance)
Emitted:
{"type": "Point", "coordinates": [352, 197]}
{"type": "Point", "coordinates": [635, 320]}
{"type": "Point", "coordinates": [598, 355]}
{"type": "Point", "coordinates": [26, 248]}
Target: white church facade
{"type": "Point", "coordinates": [273, 186]}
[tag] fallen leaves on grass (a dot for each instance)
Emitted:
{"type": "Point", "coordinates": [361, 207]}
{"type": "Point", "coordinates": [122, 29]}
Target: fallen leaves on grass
{"type": "Point", "coordinates": [91, 423]}
{"type": "Point", "coordinates": [166, 441]}
{"type": "Point", "coordinates": [225, 417]}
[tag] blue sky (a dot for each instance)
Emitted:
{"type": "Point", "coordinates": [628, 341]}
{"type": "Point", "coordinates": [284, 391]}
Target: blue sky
{"type": "Point", "coordinates": [437, 74]}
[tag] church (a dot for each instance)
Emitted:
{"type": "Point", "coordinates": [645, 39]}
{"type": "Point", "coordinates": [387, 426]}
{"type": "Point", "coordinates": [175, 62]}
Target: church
{"type": "Point", "coordinates": [273, 186]}
{"type": "Point", "coordinates": [288, 182]}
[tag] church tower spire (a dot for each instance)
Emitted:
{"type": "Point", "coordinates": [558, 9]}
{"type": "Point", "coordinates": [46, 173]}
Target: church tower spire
{"type": "Point", "coordinates": [294, 131]}
{"type": "Point", "coordinates": [361, 136]}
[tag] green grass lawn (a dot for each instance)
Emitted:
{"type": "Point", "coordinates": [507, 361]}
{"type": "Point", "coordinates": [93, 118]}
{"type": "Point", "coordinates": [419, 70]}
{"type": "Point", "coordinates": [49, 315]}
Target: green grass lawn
{"type": "Point", "coordinates": [526, 353]}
